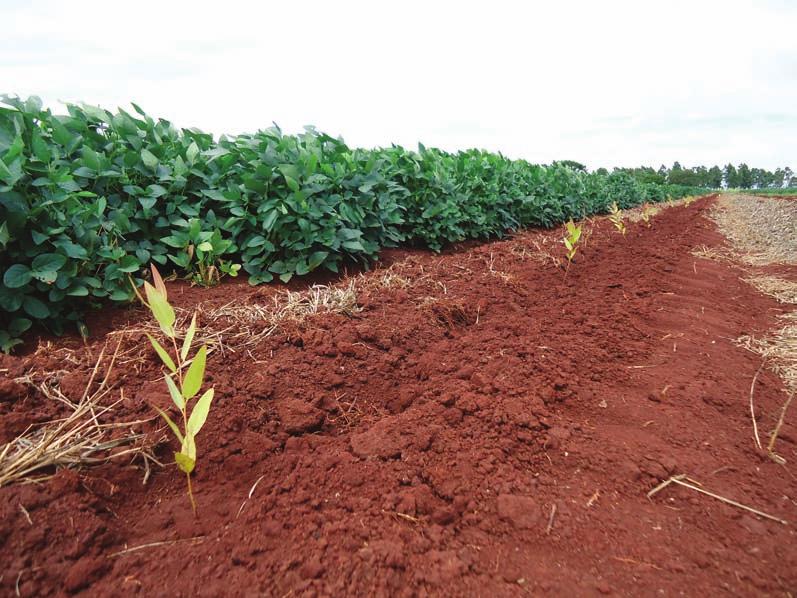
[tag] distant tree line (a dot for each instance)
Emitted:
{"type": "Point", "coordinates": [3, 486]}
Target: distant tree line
{"type": "Point", "coordinates": [741, 176]}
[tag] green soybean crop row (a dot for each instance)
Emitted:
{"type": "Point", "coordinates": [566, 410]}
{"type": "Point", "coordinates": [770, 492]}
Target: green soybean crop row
{"type": "Point", "coordinates": [88, 199]}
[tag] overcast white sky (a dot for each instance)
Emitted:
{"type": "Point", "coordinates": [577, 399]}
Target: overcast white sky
{"type": "Point", "coordinates": [606, 83]}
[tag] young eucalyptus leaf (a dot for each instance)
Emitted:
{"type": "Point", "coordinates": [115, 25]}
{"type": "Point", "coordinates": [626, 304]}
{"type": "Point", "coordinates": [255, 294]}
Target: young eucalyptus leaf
{"type": "Point", "coordinates": [175, 430]}
{"type": "Point", "coordinates": [163, 354]}
{"type": "Point", "coordinates": [200, 413]}
{"type": "Point", "coordinates": [192, 381]}
{"type": "Point", "coordinates": [160, 308]}
{"type": "Point", "coordinates": [184, 462]}
{"type": "Point", "coordinates": [189, 338]}
{"type": "Point", "coordinates": [174, 392]}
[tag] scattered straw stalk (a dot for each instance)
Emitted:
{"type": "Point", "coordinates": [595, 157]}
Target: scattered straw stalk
{"type": "Point", "coordinates": [785, 291]}
{"type": "Point", "coordinates": [384, 280]}
{"type": "Point", "coordinates": [318, 299]}
{"type": "Point", "coordinates": [687, 482]}
{"type": "Point", "coordinates": [81, 438]}
{"type": "Point", "coordinates": [779, 352]}
{"type": "Point", "coordinates": [263, 320]}
{"type": "Point", "coordinates": [235, 325]}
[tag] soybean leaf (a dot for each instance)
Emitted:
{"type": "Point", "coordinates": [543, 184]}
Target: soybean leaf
{"type": "Point", "coordinates": [6, 175]}
{"type": "Point", "coordinates": [353, 245]}
{"type": "Point", "coordinates": [149, 159]}
{"type": "Point", "coordinates": [129, 263]}
{"type": "Point", "coordinates": [40, 148]}
{"type": "Point", "coordinates": [192, 152]}
{"type": "Point", "coordinates": [35, 307]}
{"type": "Point", "coordinates": [316, 259]}
{"type": "Point", "coordinates": [47, 277]}
{"type": "Point", "coordinates": [48, 262]}
{"type": "Point", "coordinates": [17, 276]}
{"type": "Point", "coordinates": [269, 220]}
{"type": "Point", "coordinates": [38, 238]}
{"type": "Point", "coordinates": [19, 325]}
{"type": "Point", "coordinates": [72, 250]}
{"type": "Point", "coordinates": [91, 158]}
{"type": "Point", "coordinates": [77, 291]}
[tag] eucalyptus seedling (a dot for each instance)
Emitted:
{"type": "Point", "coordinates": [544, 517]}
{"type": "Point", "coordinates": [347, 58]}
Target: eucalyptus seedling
{"type": "Point", "coordinates": [184, 378]}
{"type": "Point", "coordinates": [645, 215]}
{"type": "Point", "coordinates": [616, 218]}
{"type": "Point", "coordinates": [570, 240]}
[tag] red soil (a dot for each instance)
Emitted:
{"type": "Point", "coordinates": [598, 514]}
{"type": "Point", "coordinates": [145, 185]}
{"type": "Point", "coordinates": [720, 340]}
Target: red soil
{"type": "Point", "coordinates": [421, 446]}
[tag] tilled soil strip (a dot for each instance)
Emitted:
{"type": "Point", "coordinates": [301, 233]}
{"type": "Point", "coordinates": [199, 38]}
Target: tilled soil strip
{"type": "Point", "coordinates": [485, 425]}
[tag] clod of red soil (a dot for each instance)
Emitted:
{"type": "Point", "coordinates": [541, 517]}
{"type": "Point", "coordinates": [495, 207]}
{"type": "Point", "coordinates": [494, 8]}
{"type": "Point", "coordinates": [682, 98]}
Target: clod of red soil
{"type": "Point", "coordinates": [390, 437]}
{"type": "Point", "coordinates": [520, 511]}
{"type": "Point", "coordinates": [11, 391]}
{"type": "Point", "coordinates": [298, 417]}
{"type": "Point", "coordinates": [493, 427]}
{"type": "Point", "coordinates": [382, 440]}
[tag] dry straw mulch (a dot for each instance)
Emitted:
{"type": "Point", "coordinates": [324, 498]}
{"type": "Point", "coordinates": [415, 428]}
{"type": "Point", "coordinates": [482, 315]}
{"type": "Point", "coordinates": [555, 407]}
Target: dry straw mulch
{"type": "Point", "coordinates": [87, 435]}
{"type": "Point", "coordinates": [785, 291]}
{"type": "Point", "coordinates": [762, 232]}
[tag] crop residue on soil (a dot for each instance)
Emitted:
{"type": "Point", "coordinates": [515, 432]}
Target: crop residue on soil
{"type": "Point", "coordinates": [483, 424]}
